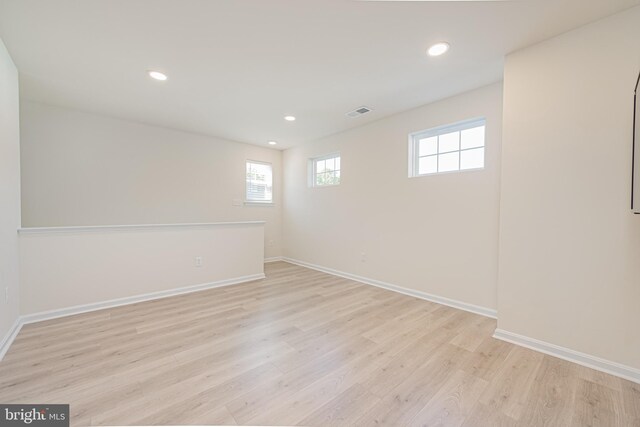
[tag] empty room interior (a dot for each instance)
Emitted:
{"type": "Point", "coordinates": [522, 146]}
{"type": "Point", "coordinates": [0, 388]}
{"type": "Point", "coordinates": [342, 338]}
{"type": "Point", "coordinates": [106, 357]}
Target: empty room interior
{"type": "Point", "coordinates": [320, 212]}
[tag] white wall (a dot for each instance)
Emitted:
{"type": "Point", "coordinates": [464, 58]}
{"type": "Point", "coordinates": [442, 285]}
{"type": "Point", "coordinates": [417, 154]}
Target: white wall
{"type": "Point", "coordinates": [65, 268]}
{"type": "Point", "coordinates": [85, 169]}
{"type": "Point", "coordinates": [9, 191]}
{"type": "Point", "coordinates": [436, 234]}
{"type": "Point", "coordinates": [569, 244]}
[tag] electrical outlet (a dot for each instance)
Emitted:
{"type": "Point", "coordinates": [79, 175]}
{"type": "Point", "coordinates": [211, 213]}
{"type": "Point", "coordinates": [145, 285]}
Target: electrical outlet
{"type": "Point", "coordinates": [271, 242]}
{"type": "Point", "coordinates": [363, 257]}
{"type": "Point", "coordinates": [198, 261]}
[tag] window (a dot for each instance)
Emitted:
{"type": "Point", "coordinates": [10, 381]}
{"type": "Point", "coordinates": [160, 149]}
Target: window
{"type": "Point", "coordinates": [447, 148]}
{"type": "Point", "coordinates": [325, 170]}
{"type": "Point", "coordinates": [259, 182]}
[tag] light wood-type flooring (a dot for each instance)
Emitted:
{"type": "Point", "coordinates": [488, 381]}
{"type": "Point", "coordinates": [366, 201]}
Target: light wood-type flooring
{"type": "Point", "coordinates": [302, 348]}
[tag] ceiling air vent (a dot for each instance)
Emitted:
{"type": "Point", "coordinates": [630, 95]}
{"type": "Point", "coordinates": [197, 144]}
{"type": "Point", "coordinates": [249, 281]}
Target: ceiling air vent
{"type": "Point", "coordinates": [358, 112]}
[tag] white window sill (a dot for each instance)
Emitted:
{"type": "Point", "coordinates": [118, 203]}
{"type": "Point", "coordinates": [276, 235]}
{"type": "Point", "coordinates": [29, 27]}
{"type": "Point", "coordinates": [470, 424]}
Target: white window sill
{"type": "Point", "coordinates": [325, 185]}
{"type": "Point", "coordinates": [253, 203]}
{"type": "Point", "coordinates": [448, 172]}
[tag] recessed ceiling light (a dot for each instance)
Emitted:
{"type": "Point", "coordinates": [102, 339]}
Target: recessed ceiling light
{"type": "Point", "coordinates": [289, 118]}
{"type": "Point", "coordinates": [157, 75]}
{"type": "Point", "coordinates": [272, 143]}
{"type": "Point", "coordinates": [438, 49]}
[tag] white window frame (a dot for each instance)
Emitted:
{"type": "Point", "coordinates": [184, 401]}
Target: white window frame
{"type": "Point", "coordinates": [312, 169]}
{"type": "Point", "coordinates": [415, 137]}
{"type": "Point", "coordinates": [248, 201]}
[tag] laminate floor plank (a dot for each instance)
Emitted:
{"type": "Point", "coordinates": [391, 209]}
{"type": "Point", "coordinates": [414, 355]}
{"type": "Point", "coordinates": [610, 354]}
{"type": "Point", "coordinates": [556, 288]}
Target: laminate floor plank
{"type": "Point", "coordinates": [453, 401]}
{"type": "Point", "coordinates": [597, 405]}
{"type": "Point", "coordinates": [301, 347]}
{"type": "Point", "coordinates": [552, 395]}
{"type": "Point", "coordinates": [509, 391]}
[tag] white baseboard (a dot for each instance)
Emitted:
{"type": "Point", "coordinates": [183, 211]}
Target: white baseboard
{"type": "Point", "coordinates": [613, 368]}
{"type": "Point", "coordinates": [78, 309]}
{"type": "Point", "coordinates": [483, 311]}
{"type": "Point", "coordinates": [273, 259]}
{"type": "Point", "coordinates": [9, 337]}
{"type": "Point", "coordinates": [583, 359]}
{"type": "Point", "coordinates": [85, 308]}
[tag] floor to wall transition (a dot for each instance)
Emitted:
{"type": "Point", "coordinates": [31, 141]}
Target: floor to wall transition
{"type": "Point", "coordinates": [302, 347]}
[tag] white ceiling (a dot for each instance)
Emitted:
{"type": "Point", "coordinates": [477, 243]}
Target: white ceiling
{"type": "Point", "coordinates": [236, 67]}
